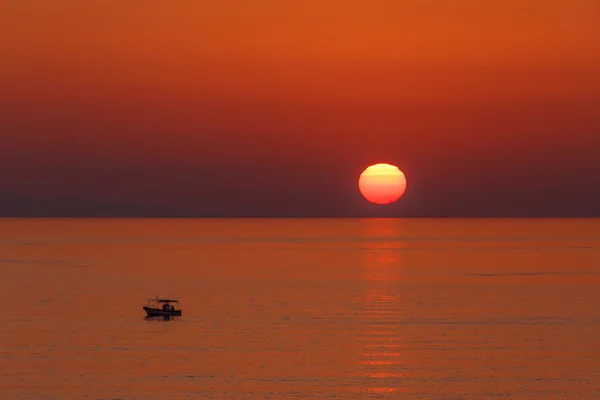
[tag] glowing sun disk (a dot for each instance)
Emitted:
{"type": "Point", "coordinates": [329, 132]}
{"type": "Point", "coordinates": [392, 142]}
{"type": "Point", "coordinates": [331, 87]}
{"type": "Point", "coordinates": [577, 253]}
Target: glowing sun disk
{"type": "Point", "coordinates": [382, 183]}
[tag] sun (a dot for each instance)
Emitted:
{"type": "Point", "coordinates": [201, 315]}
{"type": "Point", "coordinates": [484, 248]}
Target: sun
{"type": "Point", "coordinates": [382, 183]}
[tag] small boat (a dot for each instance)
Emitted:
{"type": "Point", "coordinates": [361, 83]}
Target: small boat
{"type": "Point", "coordinates": [158, 307]}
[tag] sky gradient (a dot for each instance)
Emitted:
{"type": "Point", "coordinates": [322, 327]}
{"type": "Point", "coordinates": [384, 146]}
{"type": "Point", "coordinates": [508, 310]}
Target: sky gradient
{"type": "Point", "coordinates": [272, 108]}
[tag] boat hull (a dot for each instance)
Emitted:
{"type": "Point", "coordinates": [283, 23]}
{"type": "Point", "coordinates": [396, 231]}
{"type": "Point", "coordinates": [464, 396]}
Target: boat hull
{"type": "Point", "coordinates": [155, 312]}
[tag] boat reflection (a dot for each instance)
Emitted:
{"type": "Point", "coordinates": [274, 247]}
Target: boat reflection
{"type": "Point", "coordinates": [161, 318]}
{"type": "Point", "coordinates": [382, 360]}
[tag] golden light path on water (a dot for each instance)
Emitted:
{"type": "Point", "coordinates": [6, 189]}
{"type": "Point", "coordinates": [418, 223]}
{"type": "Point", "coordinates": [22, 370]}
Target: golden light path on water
{"type": "Point", "coordinates": [383, 360]}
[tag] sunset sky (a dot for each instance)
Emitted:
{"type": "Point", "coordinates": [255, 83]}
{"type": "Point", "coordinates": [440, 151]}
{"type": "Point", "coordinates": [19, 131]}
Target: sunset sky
{"type": "Point", "coordinates": [270, 107]}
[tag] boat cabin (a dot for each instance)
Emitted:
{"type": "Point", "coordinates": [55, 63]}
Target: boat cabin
{"type": "Point", "coordinates": [162, 307]}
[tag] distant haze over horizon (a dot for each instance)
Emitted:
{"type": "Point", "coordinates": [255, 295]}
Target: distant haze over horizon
{"type": "Point", "coordinates": [23, 207]}
{"type": "Point", "coordinates": [267, 108]}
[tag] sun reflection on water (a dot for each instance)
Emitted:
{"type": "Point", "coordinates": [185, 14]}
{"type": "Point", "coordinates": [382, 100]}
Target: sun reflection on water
{"type": "Point", "coordinates": [382, 361]}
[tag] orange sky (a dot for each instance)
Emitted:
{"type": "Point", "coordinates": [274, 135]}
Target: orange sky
{"type": "Point", "coordinates": [195, 84]}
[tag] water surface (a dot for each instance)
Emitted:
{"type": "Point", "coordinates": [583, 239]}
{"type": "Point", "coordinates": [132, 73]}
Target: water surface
{"type": "Point", "coordinates": [301, 309]}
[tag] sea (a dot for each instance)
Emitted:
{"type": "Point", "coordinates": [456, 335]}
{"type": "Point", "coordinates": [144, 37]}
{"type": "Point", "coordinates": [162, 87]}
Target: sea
{"type": "Point", "coordinates": [300, 309]}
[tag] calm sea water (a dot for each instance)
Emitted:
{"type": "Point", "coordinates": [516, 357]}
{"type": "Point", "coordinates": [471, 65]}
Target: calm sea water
{"type": "Point", "coordinates": [301, 309]}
